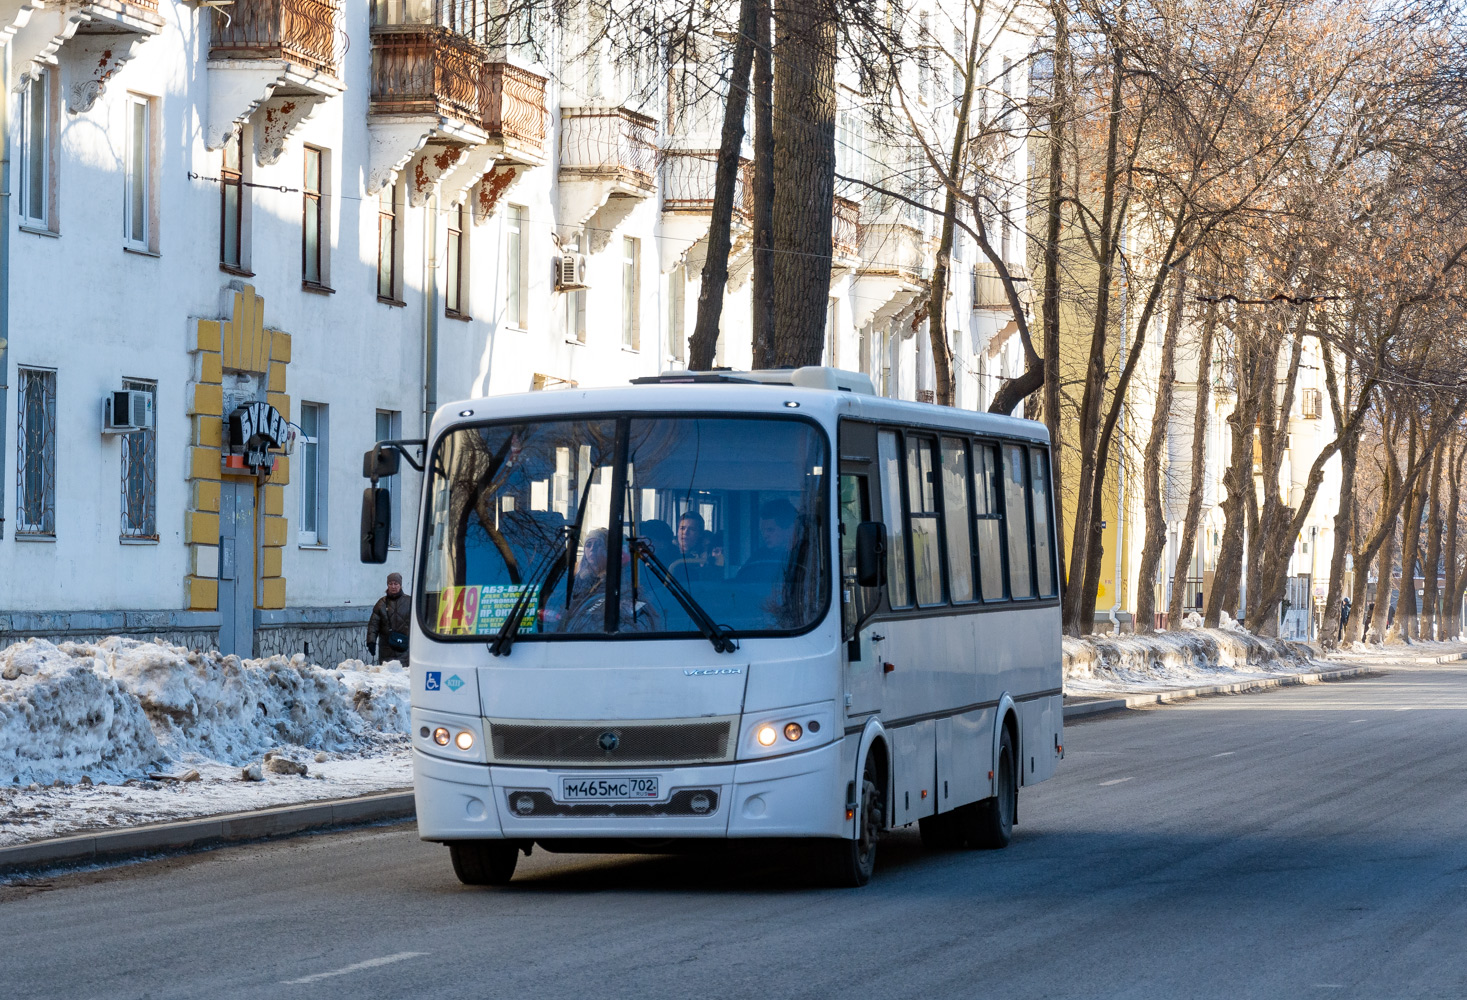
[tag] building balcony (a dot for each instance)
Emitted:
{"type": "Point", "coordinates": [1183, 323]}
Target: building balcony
{"type": "Point", "coordinates": [988, 290]}
{"type": "Point", "coordinates": [688, 180]}
{"type": "Point", "coordinates": [892, 271]}
{"type": "Point", "coordinates": [301, 32]}
{"type": "Point", "coordinates": [272, 61]}
{"type": "Point", "coordinates": [608, 162]}
{"type": "Point", "coordinates": [845, 233]}
{"type": "Point", "coordinates": [93, 39]}
{"type": "Point", "coordinates": [513, 102]}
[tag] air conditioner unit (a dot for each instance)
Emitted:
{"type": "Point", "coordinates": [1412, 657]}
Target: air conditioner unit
{"type": "Point", "coordinates": [570, 271]}
{"type": "Point", "coordinates": [126, 411]}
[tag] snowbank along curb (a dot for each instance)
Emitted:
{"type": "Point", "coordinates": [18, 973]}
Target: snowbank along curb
{"type": "Point", "coordinates": [1241, 687]}
{"type": "Point", "coordinates": [214, 831]}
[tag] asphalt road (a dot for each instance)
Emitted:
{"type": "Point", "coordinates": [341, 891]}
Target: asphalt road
{"type": "Point", "coordinates": [1304, 842]}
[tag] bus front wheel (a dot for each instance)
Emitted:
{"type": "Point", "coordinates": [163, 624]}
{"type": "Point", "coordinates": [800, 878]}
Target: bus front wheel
{"type": "Point", "coordinates": [484, 862]}
{"type": "Point", "coordinates": [849, 863]}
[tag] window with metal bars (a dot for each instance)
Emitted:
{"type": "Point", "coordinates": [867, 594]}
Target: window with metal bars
{"type": "Point", "coordinates": [35, 492]}
{"type": "Point", "coordinates": [140, 475]}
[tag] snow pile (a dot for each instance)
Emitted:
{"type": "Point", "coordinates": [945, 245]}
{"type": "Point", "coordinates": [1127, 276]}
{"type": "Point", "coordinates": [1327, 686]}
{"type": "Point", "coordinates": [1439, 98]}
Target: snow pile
{"type": "Point", "coordinates": [61, 716]}
{"type": "Point", "coordinates": [116, 707]}
{"type": "Point", "coordinates": [1186, 658]}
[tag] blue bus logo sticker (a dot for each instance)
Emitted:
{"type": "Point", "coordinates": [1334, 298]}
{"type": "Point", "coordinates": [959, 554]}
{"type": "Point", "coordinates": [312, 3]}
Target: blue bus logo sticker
{"type": "Point", "coordinates": [432, 681]}
{"type": "Point", "coordinates": [455, 682]}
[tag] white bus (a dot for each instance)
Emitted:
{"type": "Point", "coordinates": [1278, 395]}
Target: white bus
{"type": "Point", "coordinates": [726, 605]}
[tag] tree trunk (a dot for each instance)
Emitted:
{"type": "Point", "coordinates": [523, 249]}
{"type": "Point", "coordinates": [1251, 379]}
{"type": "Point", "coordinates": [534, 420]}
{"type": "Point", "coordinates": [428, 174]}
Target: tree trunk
{"type": "Point", "coordinates": [942, 351]}
{"type": "Point", "coordinates": [762, 280]}
{"type": "Point", "coordinates": [1456, 577]}
{"type": "Point", "coordinates": [1401, 626]}
{"type": "Point", "coordinates": [1426, 629]}
{"type": "Point", "coordinates": [1385, 569]}
{"type": "Point", "coordinates": [1086, 537]}
{"type": "Point", "coordinates": [704, 342]}
{"type": "Point", "coordinates": [1237, 484]}
{"type": "Point", "coordinates": [1329, 626]}
{"type": "Point", "coordinates": [804, 161]}
{"type": "Point", "coordinates": [1154, 544]}
{"type": "Point", "coordinates": [1054, 200]}
{"type": "Point", "coordinates": [1188, 543]}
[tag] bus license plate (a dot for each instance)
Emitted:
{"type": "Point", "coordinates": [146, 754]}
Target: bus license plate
{"type": "Point", "coordinates": [623, 788]}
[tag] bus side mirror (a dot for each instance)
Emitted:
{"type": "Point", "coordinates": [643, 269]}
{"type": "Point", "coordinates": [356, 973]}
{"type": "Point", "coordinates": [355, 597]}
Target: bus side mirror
{"type": "Point", "coordinates": [870, 554]}
{"type": "Point", "coordinates": [380, 463]}
{"type": "Point", "coordinates": [376, 523]}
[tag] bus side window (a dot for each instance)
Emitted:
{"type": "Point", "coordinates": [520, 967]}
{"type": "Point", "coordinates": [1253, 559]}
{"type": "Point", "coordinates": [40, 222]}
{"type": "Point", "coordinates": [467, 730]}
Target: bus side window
{"type": "Point", "coordinates": [924, 522]}
{"type": "Point", "coordinates": [855, 507]}
{"type": "Point", "coordinates": [890, 461]}
{"type": "Point", "coordinates": [1043, 542]}
{"type": "Point", "coordinates": [986, 520]}
{"type": "Point", "coordinates": [1016, 514]}
{"type": "Point", "coordinates": [955, 519]}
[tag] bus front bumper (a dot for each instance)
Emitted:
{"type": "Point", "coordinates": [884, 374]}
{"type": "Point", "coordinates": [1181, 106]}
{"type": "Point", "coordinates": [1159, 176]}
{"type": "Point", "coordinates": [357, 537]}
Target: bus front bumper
{"type": "Point", "coordinates": [797, 795]}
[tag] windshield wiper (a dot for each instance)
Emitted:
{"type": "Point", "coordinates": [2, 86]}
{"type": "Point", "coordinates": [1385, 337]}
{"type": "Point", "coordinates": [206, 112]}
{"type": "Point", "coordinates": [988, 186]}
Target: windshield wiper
{"type": "Point", "coordinates": [530, 589]}
{"type": "Point", "coordinates": [720, 635]}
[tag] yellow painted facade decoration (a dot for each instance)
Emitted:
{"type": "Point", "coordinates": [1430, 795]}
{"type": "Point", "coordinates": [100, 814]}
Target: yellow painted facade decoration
{"type": "Point", "coordinates": [239, 343]}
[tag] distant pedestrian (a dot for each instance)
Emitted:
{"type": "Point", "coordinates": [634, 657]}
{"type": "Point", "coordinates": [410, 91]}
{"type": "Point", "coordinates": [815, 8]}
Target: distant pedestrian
{"type": "Point", "coordinates": [1344, 616]}
{"type": "Point", "coordinates": [391, 623]}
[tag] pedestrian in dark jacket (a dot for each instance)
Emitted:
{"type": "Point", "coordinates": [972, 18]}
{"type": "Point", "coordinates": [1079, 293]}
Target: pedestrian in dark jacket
{"type": "Point", "coordinates": [391, 622]}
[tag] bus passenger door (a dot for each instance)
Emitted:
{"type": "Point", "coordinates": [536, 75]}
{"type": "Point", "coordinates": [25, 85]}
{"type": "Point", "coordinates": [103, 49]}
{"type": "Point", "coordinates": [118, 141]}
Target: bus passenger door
{"type": "Point", "coordinates": [862, 653]}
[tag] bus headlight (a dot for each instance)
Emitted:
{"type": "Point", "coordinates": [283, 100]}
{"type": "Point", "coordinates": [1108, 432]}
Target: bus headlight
{"type": "Point", "coordinates": [440, 736]}
{"type": "Point", "coordinates": [793, 731]}
{"type": "Point", "coordinates": [767, 736]}
{"type": "Point", "coordinates": [464, 740]}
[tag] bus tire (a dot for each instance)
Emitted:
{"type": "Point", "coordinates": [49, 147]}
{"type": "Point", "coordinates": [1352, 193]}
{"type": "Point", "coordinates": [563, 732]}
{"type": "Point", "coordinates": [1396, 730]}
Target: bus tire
{"type": "Point", "coordinates": [849, 863]}
{"type": "Point", "coordinates": [484, 862]}
{"type": "Point", "coordinates": [989, 824]}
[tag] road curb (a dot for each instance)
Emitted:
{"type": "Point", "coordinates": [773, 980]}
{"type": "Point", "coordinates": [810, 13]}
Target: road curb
{"type": "Point", "coordinates": [1241, 687]}
{"type": "Point", "coordinates": [212, 831]}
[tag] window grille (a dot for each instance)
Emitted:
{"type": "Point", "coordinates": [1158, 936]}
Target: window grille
{"type": "Point", "coordinates": [140, 475]}
{"type": "Point", "coordinates": [36, 438]}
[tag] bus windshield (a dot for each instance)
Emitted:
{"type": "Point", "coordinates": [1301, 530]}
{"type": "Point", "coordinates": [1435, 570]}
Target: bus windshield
{"type": "Point", "coordinates": [734, 508]}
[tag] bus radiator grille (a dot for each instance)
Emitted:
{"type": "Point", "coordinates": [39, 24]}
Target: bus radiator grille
{"type": "Point", "coordinates": [688, 802]}
{"type": "Point", "coordinates": [612, 744]}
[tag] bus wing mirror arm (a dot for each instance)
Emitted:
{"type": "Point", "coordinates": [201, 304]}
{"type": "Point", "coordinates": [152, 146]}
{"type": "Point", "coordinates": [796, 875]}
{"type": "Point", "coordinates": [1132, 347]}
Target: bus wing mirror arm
{"type": "Point", "coordinates": [871, 554]}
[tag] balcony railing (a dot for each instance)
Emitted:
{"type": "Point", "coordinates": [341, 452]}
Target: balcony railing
{"type": "Point", "coordinates": [896, 249]}
{"type": "Point", "coordinates": [514, 103]}
{"type": "Point", "coordinates": [599, 142]}
{"type": "Point", "coordinates": [300, 31]}
{"type": "Point", "coordinates": [688, 178]}
{"type": "Point", "coordinates": [845, 232]}
{"type": "Point", "coordinates": [425, 69]}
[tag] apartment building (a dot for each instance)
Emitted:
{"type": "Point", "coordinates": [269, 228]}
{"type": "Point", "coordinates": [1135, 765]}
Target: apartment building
{"type": "Point", "coordinates": [243, 241]}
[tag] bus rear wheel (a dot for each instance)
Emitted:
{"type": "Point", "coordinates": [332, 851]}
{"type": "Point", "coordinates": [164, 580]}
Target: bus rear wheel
{"type": "Point", "coordinates": [849, 863]}
{"type": "Point", "coordinates": [990, 824]}
{"type": "Point", "coordinates": [484, 862]}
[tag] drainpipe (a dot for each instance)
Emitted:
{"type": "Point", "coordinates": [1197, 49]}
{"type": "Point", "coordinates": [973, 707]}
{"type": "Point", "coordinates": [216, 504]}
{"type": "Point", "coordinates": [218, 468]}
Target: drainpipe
{"type": "Point", "coordinates": [430, 313]}
{"type": "Point", "coordinates": [4, 271]}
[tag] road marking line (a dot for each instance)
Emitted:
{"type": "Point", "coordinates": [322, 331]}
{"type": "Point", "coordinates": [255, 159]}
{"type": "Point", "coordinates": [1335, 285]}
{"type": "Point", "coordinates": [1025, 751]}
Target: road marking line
{"type": "Point", "coordinates": [1113, 781]}
{"type": "Point", "coordinates": [370, 963]}
{"type": "Point", "coordinates": [1225, 753]}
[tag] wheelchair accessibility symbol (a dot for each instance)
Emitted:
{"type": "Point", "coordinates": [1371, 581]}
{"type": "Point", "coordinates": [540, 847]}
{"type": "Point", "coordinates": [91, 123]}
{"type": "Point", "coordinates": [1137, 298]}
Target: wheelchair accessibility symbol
{"type": "Point", "coordinates": [433, 681]}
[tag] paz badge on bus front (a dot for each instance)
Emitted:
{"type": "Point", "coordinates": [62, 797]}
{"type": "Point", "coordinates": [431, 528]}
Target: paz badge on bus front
{"type": "Point", "coordinates": [712, 671]}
